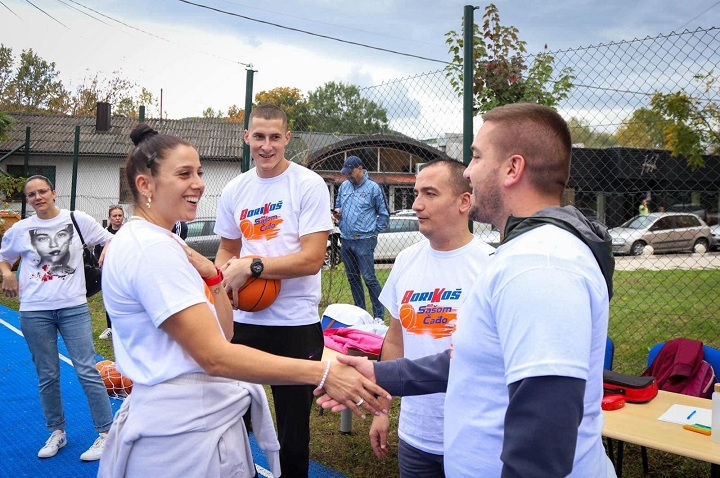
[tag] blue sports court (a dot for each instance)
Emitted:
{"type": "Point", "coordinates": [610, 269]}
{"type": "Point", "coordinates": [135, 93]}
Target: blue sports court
{"type": "Point", "coordinates": [22, 427]}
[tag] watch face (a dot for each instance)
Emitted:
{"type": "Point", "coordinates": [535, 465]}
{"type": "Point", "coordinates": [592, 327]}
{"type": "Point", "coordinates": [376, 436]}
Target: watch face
{"type": "Point", "coordinates": [256, 267]}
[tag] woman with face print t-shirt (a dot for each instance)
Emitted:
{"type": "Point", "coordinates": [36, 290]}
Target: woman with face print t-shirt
{"type": "Point", "coordinates": [51, 274]}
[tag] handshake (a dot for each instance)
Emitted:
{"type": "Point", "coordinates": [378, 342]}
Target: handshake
{"type": "Point", "coordinates": [350, 384]}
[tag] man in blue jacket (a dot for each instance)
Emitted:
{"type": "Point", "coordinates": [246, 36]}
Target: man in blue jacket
{"type": "Point", "coordinates": [361, 214]}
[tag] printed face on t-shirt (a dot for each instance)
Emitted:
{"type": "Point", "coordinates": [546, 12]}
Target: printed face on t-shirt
{"type": "Point", "coordinates": [53, 247]}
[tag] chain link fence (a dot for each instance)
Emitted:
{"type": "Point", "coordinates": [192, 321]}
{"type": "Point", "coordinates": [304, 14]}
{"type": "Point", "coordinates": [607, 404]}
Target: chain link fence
{"type": "Point", "coordinates": [618, 161]}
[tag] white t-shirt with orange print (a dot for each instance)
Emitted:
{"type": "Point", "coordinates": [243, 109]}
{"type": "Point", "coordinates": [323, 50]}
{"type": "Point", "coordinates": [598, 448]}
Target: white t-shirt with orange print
{"type": "Point", "coordinates": [424, 291]}
{"type": "Point", "coordinates": [270, 215]}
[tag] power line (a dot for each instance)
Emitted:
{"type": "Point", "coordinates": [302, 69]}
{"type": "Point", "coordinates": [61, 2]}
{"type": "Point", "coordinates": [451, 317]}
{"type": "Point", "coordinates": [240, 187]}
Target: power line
{"type": "Point", "coordinates": [314, 20]}
{"type": "Point", "coordinates": [46, 13]}
{"type": "Point", "coordinates": [311, 33]}
{"type": "Point", "coordinates": [154, 35]}
{"type": "Point", "coordinates": [84, 13]}
{"type": "Point", "coordinates": [699, 14]}
{"type": "Point", "coordinates": [1, 3]}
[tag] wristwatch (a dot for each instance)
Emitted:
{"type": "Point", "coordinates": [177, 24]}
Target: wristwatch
{"type": "Point", "coordinates": [256, 267]}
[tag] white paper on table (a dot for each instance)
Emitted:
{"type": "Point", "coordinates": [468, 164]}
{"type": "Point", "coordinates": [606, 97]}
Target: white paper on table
{"type": "Point", "coordinates": [680, 413]}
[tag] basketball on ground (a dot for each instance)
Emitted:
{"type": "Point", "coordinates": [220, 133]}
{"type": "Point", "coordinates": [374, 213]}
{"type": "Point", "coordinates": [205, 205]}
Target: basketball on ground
{"type": "Point", "coordinates": [126, 384]}
{"type": "Point", "coordinates": [257, 294]}
{"type": "Point", "coordinates": [116, 384]}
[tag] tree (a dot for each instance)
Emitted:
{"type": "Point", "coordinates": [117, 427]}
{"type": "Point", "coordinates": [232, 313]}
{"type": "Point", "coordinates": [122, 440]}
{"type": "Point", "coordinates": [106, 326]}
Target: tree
{"type": "Point", "coordinates": [583, 134]}
{"type": "Point", "coordinates": [209, 113]}
{"type": "Point", "coordinates": [339, 108]}
{"type": "Point", "coordinates": [292, 102]}
{"type": "Point", "coordinates": [129, 106]}
{"type": "Point", "coordinates": [116, 90]}
{"type": "Point", "coordinates": [6, 74]}
{"type": "Point", "coordinates": [235, 115]}
{"type": "Point", "coordinates": [692, 123]}
{"type": "Point", "coordinates": [645, 128]}
{"type": "Point", "coordinates": [35, 87]}
{"type": "Point", "coordinates": [687, 125]}
{"type": "Point", "coordinates": [5, 121]}
{"type": "Point", "coordinates": [501, 75]}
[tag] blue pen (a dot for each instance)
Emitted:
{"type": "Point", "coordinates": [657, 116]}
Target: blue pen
{"type": "Point", "coordinates": [691, 414]}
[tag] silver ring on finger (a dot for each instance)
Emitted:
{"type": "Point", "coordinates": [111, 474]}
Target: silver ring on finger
{"type": "Point", "coordinates": [360, 402]}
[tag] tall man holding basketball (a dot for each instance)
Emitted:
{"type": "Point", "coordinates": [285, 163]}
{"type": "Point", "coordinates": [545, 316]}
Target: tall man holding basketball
{"type": "Point", "coordinates": [277, 212]}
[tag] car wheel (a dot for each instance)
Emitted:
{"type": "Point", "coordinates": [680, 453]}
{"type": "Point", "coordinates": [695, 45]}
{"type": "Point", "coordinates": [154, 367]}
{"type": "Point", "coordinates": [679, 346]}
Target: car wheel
{"type": "Point", "coordinates": [701, 246]}
{"type": "Point", "coordinates": [332, 257]}
{"type": "Point", "coordinates": [637, 248]}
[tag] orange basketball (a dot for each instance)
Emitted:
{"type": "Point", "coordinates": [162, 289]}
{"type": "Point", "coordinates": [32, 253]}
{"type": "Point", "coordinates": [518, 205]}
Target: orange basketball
{"type": "Point", "coordinates": [126, 384]}
{"type": "Point", "coordinates": [115, 383]}
{"type": "Point", "coordinates": [103, 363]}
{"type": "Point", "coordinates": [257, 294]}
{"type": "Point", "coordinates": [111, 377]}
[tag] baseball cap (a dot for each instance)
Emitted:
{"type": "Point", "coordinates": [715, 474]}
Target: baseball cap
{"type": "Point", "coordinates": [351, 163]}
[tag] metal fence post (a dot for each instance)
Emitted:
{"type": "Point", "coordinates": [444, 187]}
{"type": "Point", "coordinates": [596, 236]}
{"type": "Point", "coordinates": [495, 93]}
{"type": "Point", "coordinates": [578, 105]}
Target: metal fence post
{"type": "Point", "coordinates": [248, 110]}
{"type": "Point", "coordinates": [26, 169]}
{"type": "Point", "coordinates": [468, 90]}
{"type": "Point", "coordinates": [76, 153]}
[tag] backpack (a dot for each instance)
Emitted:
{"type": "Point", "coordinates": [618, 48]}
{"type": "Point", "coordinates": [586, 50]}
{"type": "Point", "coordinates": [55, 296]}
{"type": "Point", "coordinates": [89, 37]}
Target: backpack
{"type": "Point", "coordinates": [701, 383]}
{"type": "Point", "coordinates": [679, 367]}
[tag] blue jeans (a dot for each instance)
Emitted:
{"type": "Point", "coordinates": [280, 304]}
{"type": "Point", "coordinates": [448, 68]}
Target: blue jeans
{"type": "Point", "coordinates": [416, 463]}
{"type": "Point", "coordinates": [40, 328]}
{"type": "Point", "coordinates": [357, 254]}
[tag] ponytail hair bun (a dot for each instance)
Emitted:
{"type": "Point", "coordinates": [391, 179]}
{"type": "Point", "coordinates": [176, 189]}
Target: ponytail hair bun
{"type": "Point", "coordinates": [141, 132]}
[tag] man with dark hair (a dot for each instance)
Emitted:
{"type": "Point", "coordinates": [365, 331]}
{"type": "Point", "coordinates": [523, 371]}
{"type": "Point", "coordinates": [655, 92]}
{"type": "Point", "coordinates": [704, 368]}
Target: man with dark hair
{"type": "Point", "coordinates": [362, 214]}
{"type": "Point", "coordinates": [524, 380]}
{"type": "Point", "coordinates": [425, 306]}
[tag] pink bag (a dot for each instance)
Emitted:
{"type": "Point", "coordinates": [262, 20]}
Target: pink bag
{"type": "Point", "coordinates": [348, 340]}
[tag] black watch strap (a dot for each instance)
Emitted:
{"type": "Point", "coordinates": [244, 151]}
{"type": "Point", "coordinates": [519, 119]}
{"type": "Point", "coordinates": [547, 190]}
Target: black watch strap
{"type": "Point", "coordinates": [256, 267]}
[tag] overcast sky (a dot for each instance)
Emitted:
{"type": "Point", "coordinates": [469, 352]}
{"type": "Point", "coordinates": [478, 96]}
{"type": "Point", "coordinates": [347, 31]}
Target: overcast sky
{"type": "Point", "coordinates": [199, 57]}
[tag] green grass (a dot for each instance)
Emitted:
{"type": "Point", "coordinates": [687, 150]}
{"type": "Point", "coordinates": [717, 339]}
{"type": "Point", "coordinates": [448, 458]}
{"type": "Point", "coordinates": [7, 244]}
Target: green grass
{"type": "Point", "coordinates": [648, 307]}
{"type": "Point", "coordinates": [654, 306]}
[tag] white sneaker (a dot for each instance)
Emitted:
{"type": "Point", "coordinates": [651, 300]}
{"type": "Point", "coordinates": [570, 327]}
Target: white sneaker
{"type": "Point", "coordinates": [107, 333]}
{"type": "Point", "coordinates": [56, 441]}
{"type": "Point", "coordinates": [95, 451]}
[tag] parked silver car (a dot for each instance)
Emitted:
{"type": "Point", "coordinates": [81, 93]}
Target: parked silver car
{"type": "Point", "coordinates": [403, 230]}
{"type": "Point", "coordinates": [201, 237]}
{"type": "Point", "coordinates": [664, 231]}
{"type": "Point", "coordinates": [716, 236]}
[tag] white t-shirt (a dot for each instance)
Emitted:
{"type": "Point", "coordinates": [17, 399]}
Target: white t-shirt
{"type": "Point", "coordinates": [425, 290]}
{"type": "Point", "coordinates": [147, 278]}
{"type": "Point", "coordinates": [51, 274]}
{"type": "Point", "coordinates": [270, 215]}
{"type": "Point", "coordinates": [537, 310]}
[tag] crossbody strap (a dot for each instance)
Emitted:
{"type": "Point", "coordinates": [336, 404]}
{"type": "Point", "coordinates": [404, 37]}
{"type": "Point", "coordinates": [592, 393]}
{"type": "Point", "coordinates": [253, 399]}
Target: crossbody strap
{"type": "Point", "coordinates": [72, 217]}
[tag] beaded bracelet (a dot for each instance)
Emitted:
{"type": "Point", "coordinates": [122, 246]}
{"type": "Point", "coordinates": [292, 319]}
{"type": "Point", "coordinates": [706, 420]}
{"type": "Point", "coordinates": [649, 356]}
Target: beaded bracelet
{"type": "Point", "coordinates": [322, 380]}
{"type": "Point", "coordinates": [215, 280]}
